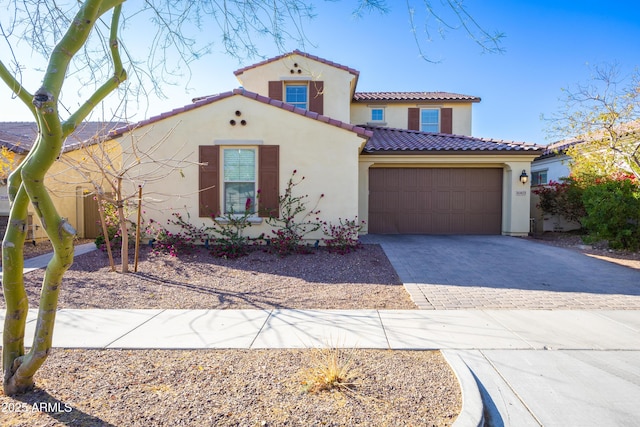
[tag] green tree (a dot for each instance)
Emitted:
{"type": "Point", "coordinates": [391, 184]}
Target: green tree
{"type": "Point", "coordinates": [83, 39]}
{"type": "Point", "coordinates": [602, 117]}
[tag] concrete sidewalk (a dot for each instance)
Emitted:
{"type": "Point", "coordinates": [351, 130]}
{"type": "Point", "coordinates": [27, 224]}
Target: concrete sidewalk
{"type": "Point", "coordinates": [41, 261]}
{"type": "Point", "coordinates": [516, 367]}
{"type": "Point", "coordinates": [532, 368]}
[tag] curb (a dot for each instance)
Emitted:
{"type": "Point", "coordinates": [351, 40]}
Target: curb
{"type": "Point", "coordinates": [472, 412]}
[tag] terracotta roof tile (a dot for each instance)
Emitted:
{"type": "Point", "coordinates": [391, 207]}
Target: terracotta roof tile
{"type": "Point", "coordinates": [559, 147]}
{"type": "Point", "coordinates": [412, 96]}
{"type": "Point", "coordinates": [298, 52]}
{"type": "Point", "coordinates": [401, 140]}
{"type": "Point", "coordinates": [20, 136]}
{"type": "Point", "coordinates": [251, 95]}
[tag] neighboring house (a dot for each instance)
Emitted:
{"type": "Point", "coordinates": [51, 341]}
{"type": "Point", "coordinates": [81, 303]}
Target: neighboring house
{"type": "Point", "coordinates": [71, 193]}
{"type": "Point", "coordinates": [390, 159]}
{"type": "Point", "coordinates": [553, 165]}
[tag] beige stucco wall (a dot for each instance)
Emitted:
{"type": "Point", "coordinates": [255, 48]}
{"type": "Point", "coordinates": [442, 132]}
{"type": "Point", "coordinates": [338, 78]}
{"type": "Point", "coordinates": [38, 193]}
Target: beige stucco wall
{"type": "Point", "coordinates": [327, 156]}
{"type": "Point", "coordinates": [515, 195]}
{"type": "Point", "coordinates": [66, 186]}
{"type": "Point", "coordinates": [396, 114]}
{"type": "Point", "coordinates": [337, 82]}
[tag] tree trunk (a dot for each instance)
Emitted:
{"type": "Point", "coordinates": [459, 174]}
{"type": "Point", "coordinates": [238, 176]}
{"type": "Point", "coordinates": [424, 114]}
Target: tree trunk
{"type": "Point", "coordinates": [26, 184]}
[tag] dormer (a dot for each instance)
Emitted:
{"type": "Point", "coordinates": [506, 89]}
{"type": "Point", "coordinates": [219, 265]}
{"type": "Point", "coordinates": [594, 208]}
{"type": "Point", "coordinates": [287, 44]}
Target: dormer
{"type": "Point", "coordinates": [305, 81]}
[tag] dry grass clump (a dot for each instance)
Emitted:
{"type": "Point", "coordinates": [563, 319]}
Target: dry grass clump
{"type": "Point", "coordinates": [332, 370]}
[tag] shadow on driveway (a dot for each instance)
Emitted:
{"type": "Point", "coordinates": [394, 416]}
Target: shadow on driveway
{"type": "Point", "coordinates": [503, 262]}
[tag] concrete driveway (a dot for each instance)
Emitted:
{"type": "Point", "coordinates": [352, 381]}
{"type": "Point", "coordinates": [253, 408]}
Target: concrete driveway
{"type": "Point", "coordinates": [499, 272]}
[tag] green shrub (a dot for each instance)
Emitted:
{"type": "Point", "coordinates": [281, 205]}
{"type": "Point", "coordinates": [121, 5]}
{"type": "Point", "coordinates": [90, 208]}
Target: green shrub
{"type": "Point", "coordinates": [613, 212]}
{"type": "Point", "coordinates": [231, 241]}
{"type": "Point", "coordinates": [563, 199]}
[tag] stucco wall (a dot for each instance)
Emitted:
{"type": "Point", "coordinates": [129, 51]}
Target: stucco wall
{"type": "Point", "coordinates": [337, 82]}
{"type": "Point", "coordinates": [327, 156]}
{"type": "Point", "coordinates": [396, 114]}
{"type": "Point", "coordinates": [66, 185]}
{"type": "Point", "coordinates": [557, 167]}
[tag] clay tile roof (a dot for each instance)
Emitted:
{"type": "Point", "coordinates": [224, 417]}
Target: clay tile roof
{"type": "Point", "coordinates": [298, 52]}
{"type": "Point", "coordinates": [401, 140]}
{"type": "Point", "coordinates": [200, 101]}
{"type": "Point", "coordinates": [629, 129]}
{"type": "Point", "coordinates": [20, 136]}
{"type": "Point", "coordinates": [412, 96]}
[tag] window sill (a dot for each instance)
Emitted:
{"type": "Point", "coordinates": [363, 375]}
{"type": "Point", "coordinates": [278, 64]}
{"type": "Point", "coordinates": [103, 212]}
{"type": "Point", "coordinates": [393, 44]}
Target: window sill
{"type": "Point", "coordinates": [376, 123]}
{"type": "Point", "coordinates": [250, 220]}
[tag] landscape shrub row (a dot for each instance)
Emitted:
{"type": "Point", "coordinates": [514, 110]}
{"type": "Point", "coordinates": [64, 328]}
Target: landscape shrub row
{"type": "Point", "coordinates": [226, 237]}
{"type": "Point", "coordinates": [608, 208]}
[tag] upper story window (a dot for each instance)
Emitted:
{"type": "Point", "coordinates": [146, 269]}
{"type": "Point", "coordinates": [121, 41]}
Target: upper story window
{"type": "Point", "coordinates": [297, 95]}
{"type": "Point", "coordinates": [239, 179]}
{"type": "Point", "coordinates": [430, 120]}
{"type": "Point", "coordinates": [539, 177]}
{"type": "Point", "coordinates": [377, 114]}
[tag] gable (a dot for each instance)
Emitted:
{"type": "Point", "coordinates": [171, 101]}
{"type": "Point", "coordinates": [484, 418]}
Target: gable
{"type": "Point", "coordinates": [330, 85]}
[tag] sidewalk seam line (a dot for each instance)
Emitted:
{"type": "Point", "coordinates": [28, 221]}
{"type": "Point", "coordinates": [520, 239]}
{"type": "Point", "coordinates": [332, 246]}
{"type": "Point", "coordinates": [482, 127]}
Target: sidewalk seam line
{"type": "Point", "coordinates": [131, 330]}
{"type": "Point", "coordinates": [515, 393]}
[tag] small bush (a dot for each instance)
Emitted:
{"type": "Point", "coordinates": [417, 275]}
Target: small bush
{"type": "Point", "coordinates": [293, 222]}
{"type": "Point", "coordinates": [343, 237]}
{"type": "Point", "coordinates": [114, 230]}
{"type": "Point", "coordinates": [231, 241]}
{"type": "Point", "coordinates": [613, 212]}
{"type": "Point", "coordinates": [563, 199]}
{"type": "Point", "coordinates": [174, 243]}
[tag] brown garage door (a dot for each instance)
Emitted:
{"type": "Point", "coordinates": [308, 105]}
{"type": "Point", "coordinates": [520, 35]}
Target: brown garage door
{"type": "Point", "coordinates": [435, 201]}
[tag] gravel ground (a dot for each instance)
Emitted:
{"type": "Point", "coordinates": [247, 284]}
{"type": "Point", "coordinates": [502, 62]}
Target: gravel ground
{"type": "Point", "coordinates": [235, 387]}
{"type": "Point", "coordinates": [360, 280]}
{"type": "Point", "coordinates": [599, 250]}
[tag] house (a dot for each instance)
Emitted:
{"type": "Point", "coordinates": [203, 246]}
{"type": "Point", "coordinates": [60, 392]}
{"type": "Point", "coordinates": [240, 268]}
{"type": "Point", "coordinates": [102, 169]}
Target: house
{"type": "Point", "coordinates": [69, 189]}
{"type": "Point", "coordinates": [404, 162]}
{"type": "Point", "coordinates": [553, 165]}
{"type": "Point", "coordinates": [554, 162]}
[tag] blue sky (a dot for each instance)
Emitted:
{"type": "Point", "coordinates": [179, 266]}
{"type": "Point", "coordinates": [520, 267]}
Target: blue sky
{"type": "Point", "coordinates": [549, 45]}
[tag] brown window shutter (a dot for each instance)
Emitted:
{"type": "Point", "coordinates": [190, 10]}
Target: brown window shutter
{"type": "Point", "coordinates": [446, 120]}
{"type": "Point", "coordinates": [414, 119]}
{"type": "Point", "coordinates": [209, 180]}
{"type": "Point", "coordinates": [275, 90]}
{"type": "Point", "coordinates": [269, 180]}
{"type": "Point", "coordinates": [316, 97]}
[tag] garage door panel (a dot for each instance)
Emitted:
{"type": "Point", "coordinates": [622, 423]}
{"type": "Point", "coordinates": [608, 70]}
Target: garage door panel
{"type": "Point", "coordinates": [435, 201]}
{"type": "Point", "coordinates": [459, 200]}
{"type": "Point", "coordinates": [443, 201]}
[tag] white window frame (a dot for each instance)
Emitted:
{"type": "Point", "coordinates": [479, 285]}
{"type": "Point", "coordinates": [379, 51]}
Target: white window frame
{"type": "Point", "coordinates": [239, 211]}
{"type": "Point", "coordinates": [537, 173]}
{"type": "Point", "coordinates": [436, 124]}
{"type": "Point", "coordinates": [381, 120]}
{"type": "Point", "coordinates": [287, 85]}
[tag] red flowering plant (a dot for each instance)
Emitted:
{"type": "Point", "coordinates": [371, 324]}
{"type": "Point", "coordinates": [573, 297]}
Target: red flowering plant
{"type": "Point", "coordinates": [342, 238]}
{"type": "Point", "coordinates": [174, 243]}
{"type": "Point", "coordinates": [293, 222]}
{"type": "Point", "coordinates": [562, 198]}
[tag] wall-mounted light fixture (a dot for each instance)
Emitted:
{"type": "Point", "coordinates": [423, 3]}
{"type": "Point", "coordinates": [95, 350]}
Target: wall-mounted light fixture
{"type": "Point", "coordinates": [524, 178]}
